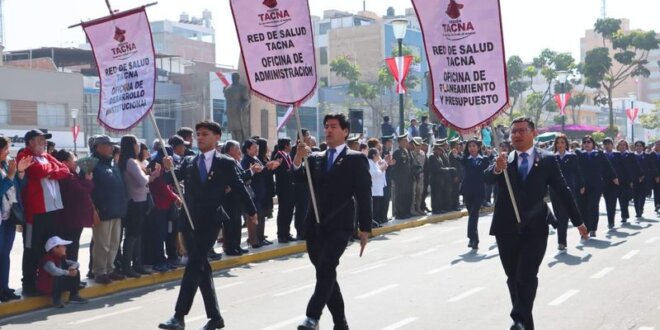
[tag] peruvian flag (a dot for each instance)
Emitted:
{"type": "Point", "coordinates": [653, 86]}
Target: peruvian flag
{"type": "Point", "coordinates": [222, 78]}
{"type": "Point", "coordinates": [562, 101]}
{"type": "Point", "coordinates": [632, 114]}
{"type": "Point", "coordinates": [286, 118]}
{"type": "Point", "coordinates": [399, 67]}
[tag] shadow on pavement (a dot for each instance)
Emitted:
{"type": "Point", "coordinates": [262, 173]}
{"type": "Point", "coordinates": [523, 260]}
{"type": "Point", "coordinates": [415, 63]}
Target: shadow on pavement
{"type": "Point", "coordinates": [620, 234]}
{"type": "Point", "coordinates": [636, 226]}
{"type": "Point", "coordinates": [599, 244]}
{"type": "Point", "coordinates": [473, 256]}
{"type": "Point", "coordinates": [569, 260]}
{"type": "Point", "coordinates": [647, 220]}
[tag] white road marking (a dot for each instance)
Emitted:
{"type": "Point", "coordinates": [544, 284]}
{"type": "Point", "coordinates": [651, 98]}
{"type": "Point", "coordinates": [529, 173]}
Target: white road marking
{"type": "Point", "coordinates": [368, 268]}
{"type": "Point", "coordinates": [561, 299]}
{"type": "Point", "coordinates": [220, 287]}
{"type": "Point", "coordinates": [438, 270]}
{"type": "Point", "coordinates": [630, 255]}
{"type": "Point", "coordinates": [300, 288]}
{"type": "Point", "coordinates": [603, 272]}
{"type": "Point", "coordinates": [652, 240]}
{"type": "Point", "coordinates": [646, 328]}
{"type": "Point", "coordinates": [465, 294]}
{"type": "Point", "coordinates": [421, 253]}
{"type": "Point", "coordinates": [413, 239]}
{"type": "Point", "coordinates": [377, 291]}
{"type": "Point", "coordinates": [375, 263]}
{"type": "Point", "coordinates": [291, 270]}
{"type": "Point", "coordinates": [462, 240]}
{"type": "Point", "coordinates": [284, 323]}
{"type": "Point", "coordinates": [401, 323]}
{"type": "Point", "coordinates": [98, 317]}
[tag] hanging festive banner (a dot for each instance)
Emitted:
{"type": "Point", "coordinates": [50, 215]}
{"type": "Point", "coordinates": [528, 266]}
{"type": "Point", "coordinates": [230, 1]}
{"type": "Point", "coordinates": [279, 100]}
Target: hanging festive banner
{"type": "Point", "coordinates": [399, 65]}
{"type": "Point", "coordinates": [222, 78]}
{"type": "Point", "coordinates": [286, 118]}
{"type": "Point", "coordinates": [277, 47]}
{"type": "Point", "coordinates": [465, 52]}
{"type": "Point", "coordinates": [124, 53]}
{"type": "Point", "coordinates": [562, 101]}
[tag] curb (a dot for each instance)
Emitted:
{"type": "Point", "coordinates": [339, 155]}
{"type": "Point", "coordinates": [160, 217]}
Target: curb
{"type": "Point", "coordinates": [34, 303]}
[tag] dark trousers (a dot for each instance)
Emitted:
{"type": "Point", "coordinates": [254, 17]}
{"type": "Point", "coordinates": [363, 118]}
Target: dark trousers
{"type": "Point", "coordinates": [35, 236]}
{"type": "Point", "coordinates": [232, 230]}
{"type": "Point", "coordinates": [640, 192]}
{"type": "Point", "coordinates": [154, 237]}
{"type": "Point", "coordinates": [403, 191]}
{"type": "Point", "coordinates": [198, 273]}
{"type": "Point", "coordinates": [302, 205]}
{"type": "Point", "coordinates": [73, 235]}
{"type": "Point", "coordinates": [286, 202]}
{"type": "Point", "coordinates": [325, 248]}
{"type": "Point", "coordinates": [436, 197]}
{"type": "Point", "coordinates": [387, 197]}
{"type": "Point", "coordinates": [656, 194]}
{"type": "Point", "coordinates": [473, 205]}
{"type": "Point", "coordinates": [489, 192]}
{"type": "Point", "coordinates": [624, 201]}
{"type": "Point", "coordinates": [134, 225]}
{"type": "Point", "coordinates": [261, 225]}
{"type": "Point", "coordinates": [521, 257]}
{"type": "Point", "coordinates": [63, 284]}
{"type": "Point", "coordinates": [377, 209]}
{"type": "Point", "coordinates": [455, 203]}
{"type": "Point", "coordinates": [611, 196]}
{"type": "Point", "coordinates": [172, 235]}
{"type": "Point", "coordinates": [562, 219]}
{"type": "Point", "coordinates": [7, 235]}
{"type": "Point", "coordinates": [589, 208]}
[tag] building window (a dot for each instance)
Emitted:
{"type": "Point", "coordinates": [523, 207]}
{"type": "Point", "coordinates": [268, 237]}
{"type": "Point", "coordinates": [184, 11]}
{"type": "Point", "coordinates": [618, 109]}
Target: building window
{"type": "Point", "coordinates": [4, 112]}
{"type": "Point", "coordinates": [51, 115]}
{"type": "Point", "coordinates": [324, 28]}
{"type": "Point", "coordinates": [323, 53]}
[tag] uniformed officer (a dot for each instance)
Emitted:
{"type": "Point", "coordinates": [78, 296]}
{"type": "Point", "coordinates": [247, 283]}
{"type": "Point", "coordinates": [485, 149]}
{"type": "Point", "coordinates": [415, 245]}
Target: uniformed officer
{"type": "Point", "coordinates": [455, 157]}
{"type": "Point", "coordinates": [402, 179]}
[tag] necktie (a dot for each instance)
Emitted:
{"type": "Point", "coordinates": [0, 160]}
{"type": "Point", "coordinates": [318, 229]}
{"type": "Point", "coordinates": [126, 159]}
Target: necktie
{"type": "Point", "coordinates": [203, 172]}
{"type": "Point", "coordinates": [474, 162]}
{"type": "Point", "coordinates": [331, 156]}
{"type": "Point", "coordinates": [524, 166]}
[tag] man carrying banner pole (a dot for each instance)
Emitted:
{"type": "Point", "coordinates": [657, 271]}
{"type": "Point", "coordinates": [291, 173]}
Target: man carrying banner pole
{"type": "Point", "coordinates": [468, 74]}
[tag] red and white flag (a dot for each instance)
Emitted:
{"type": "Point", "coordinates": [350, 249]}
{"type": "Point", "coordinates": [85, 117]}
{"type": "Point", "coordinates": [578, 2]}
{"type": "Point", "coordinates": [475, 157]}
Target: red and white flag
{"type": "Point", "coordinates": [399, 67]}
{"type": "Point", "coordinates": [286, 118]}
{"type": "Point", "coordinates": [222, 78]}
{"type": "Point", "coordinates": [632, 114]}
{"type": "Point", "coordinates": [562, 101]}
{"type": "Point", "coordinates": [124, 53]}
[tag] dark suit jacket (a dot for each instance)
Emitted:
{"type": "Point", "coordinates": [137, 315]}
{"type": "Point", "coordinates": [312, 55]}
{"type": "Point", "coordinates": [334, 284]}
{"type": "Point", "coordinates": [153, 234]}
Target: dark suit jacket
{"type": "Point", "coordinates": [597, 170]}
{"type": "Point", "coordinates": [529, 195]}
{"type": "Point", "coordinates": [571, 171]}
{"type": "Point", "coordinates": [621, 165]}
{"type": "Point", "coordinates": [473, 182]}
{"type": "Point", "coordinates": [336, 190]}
{"type": "Point", "coordinates": [284, 178]}
{"type": "Point", "coordinates": [206, 200]}
{"type": "Point", "coordinates": [646, 163]}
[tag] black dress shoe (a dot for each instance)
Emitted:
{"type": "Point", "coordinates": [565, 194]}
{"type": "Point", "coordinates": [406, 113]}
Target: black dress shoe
{"type": "Point", "coordinates": [291, 238]}
{"type": "Point", "coordinates": [234, 252]}
{"type": "Point", "coordinates": [243, 251]}
{"type": "Point", "coordinates": [266, 242]}
{"type": "Point", "coordinates": [256, 246]}
{"type": "Point", "coordinates": [343, 325]}
{"type": "Point", "coordinates": [309, 324]}
{"type": "Point", "coordinates": [215, 256]}
{"type": "Point", "coordinates": [282, 240]}
{"type": "Point", "coordinates": [214, 324]}
{"type": "Point", "coordinates": [173, 324]}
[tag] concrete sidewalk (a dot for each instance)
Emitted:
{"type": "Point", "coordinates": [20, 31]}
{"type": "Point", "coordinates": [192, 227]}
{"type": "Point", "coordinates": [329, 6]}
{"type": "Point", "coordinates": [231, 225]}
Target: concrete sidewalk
{"type": "Point", "coordinates": [255, 255]}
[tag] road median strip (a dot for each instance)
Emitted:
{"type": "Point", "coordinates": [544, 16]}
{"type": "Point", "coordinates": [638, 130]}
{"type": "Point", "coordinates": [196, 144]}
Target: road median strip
{"type": "Point", "coordinates": [94, 290]}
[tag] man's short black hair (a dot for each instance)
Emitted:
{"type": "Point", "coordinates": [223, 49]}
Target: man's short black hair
{"type": "Point", "coordinates": [282, 143]}
{"type": "Point", "coordinates": [185, 132]}
{"type": "Point", "coordinates": [209, 125]}
{"type": "Point", "coordinates": [527, 120]}
{"type": "Point", "coordinates": [424, 118]}
{"type": "Point", "coordinates": [641, 143]}
{"type": "Point", "coordinates": [386, 118]}
{"type": "Point", "coordinates": [343, 121]}
{"type": "Point", "coordinates": [608, 140]}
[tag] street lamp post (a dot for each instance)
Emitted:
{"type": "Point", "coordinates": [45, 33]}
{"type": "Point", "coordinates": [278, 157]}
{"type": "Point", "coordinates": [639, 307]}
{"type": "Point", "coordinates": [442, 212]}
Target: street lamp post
{"type": "Point", "coordinates": [633, 98]}
{"type": "Point", "coordinates": [562, 76]}
{"type": "Point", "coordinates": [74, 117]}
{"type": "Point", "coordinates": [399, 26]}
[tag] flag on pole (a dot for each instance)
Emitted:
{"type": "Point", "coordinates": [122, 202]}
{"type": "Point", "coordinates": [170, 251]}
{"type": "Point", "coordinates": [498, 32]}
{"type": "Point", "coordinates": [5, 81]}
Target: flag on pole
{"type": "Point", "coordinates": [399, 67]}
{"type": "Point", "coordinates": [222, 78]}
{"type": "Point", "coordinates": [562, 101]}
{"type": "Point", "coordinates": [286, 118]}
{"type": "Point", "coordinates": [124, 53]}
{"type": "Point", "coordinates": [632, 114]}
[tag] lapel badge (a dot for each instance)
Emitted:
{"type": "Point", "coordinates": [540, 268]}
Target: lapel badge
{"type": "Point", "coordinates": [210, 175]}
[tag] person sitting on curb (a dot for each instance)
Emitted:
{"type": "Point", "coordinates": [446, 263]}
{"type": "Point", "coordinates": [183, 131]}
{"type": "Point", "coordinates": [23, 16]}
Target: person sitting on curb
{"type": "Point", "coordinates": [57, 274]}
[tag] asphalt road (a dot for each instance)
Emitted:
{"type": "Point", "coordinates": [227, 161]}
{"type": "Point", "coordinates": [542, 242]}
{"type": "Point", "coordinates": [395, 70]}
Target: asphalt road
{"type": "Point", "coordinates": [422, 278]}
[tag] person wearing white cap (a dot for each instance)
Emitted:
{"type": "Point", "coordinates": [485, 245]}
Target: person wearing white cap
{"type": "Point", "coordinates": [57, 274]}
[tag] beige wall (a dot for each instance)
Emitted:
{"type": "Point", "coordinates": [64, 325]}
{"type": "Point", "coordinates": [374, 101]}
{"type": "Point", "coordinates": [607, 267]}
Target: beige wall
{"type": "Point", "coordinates": [363, 44]}
{"type": "Point", "coordinates": [256, 106]}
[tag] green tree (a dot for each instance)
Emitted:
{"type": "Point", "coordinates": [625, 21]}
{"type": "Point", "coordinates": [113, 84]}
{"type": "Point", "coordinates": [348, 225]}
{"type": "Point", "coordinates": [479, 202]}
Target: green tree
{"type": "Point", "coordinates": [651, 120]}
{"type": "Point", "coordinates": [515, 69]}
{"type": "Point", "coordinates": [631, 51]}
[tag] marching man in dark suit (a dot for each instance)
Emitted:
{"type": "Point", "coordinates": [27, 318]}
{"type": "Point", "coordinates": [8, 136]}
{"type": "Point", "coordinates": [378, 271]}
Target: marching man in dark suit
{"type": "Point", "coordinates": [208, 178]}
{"type": "Point", "coordinates": [340, 176]}
{"type": "Point", "coordinates": [522, 245]}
